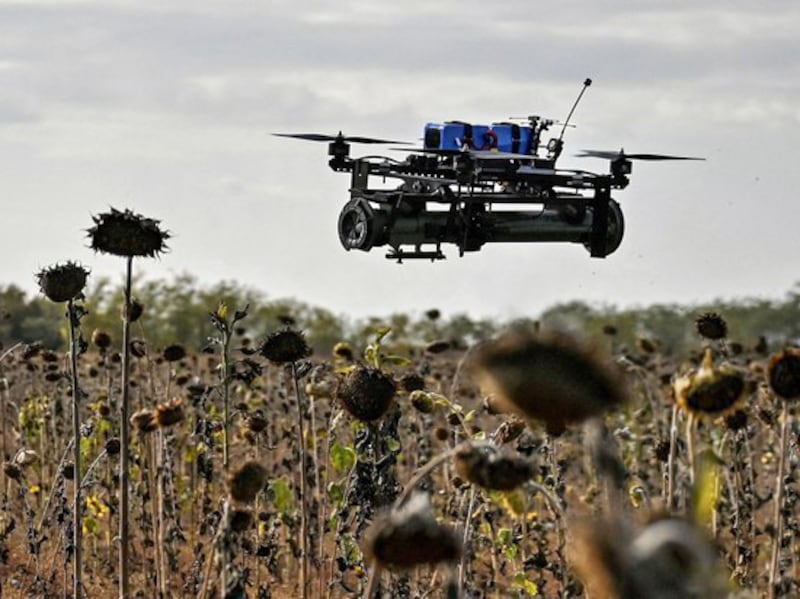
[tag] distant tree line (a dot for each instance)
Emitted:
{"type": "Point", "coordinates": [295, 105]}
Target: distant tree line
{"type": "Point", "coordinates": [177, 311]}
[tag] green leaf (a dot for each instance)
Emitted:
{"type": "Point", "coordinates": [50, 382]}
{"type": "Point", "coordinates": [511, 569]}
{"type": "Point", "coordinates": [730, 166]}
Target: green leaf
{"type": "Point", "coordinates": [393, 444]}
{"type": "Point", "coordinates": [381, 332]}
{"type": "Point", "coordinates": [350, 549]}
{"type": "Point", "coordinates": [396, 360]}
{"type": "Point", "coordinates": [283, 496]}
{"type": "Point", "coordinates": [526, 585]}
{"type": "Point", "coordinates": [335, 493]}
{"type": "Point", "coordinates": [343, 457]}
{"type": "Point", "coordinates": [504, 537]}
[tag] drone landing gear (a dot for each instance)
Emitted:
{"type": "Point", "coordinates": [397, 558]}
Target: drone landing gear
{"type": "Point", "coordinates": [418, 254]}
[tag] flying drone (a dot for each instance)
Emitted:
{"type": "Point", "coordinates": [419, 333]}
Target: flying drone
{"type": "Point", "coordinates": [473, 184]}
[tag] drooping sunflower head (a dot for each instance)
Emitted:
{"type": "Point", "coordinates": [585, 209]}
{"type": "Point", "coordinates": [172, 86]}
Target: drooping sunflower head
{"type": "Point", "coordinates": [486, 465]}
{"type": "Point", "coordinates": [546, 377]}
{"type": "Point", "coordinates": [711, 390]}
{"type": "Point", "coordinates": [127, 234]}
{"type": "Point", "coordinates": [246, 483]}
{"type": "Point", "coordinates": [783, 374]}
{"type": "Point", "coordinates": [411, 536]}
{"type": "Point", "coordinates": [62, 282]}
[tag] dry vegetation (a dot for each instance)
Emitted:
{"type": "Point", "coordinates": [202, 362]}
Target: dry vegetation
{"type": "Point", "coordinates": [526, 465]}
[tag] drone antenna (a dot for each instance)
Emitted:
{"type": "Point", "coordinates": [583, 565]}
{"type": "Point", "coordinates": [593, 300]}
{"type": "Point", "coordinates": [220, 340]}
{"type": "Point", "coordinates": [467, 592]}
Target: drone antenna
{"type": "Point", "coordinates": [586, 84]}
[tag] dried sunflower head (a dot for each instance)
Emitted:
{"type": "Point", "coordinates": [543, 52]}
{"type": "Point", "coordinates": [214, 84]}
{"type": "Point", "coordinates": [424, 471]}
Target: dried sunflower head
{"type": "Point", "coordinates": [144, 421]}
{"type": "Point", "coordinates": [134, 313]}
{"type": "Point", "coordinates": [170, 413]}
{"type": "Point", "coordinates": [174, 353]}
{"type": "Point", "coordinates": [668, 558]}
{"type": "Point", "coordinates": [285, 346]}
{"type": "Point", "coordinates": [410, 536]}
{"type": "Point", "coordinates": [422, 402]}
{"type": "Point", "coordinates": [783, 374]}
{"type": "Point", "coordinates": [550, 378]}
{"type": "Point", "coordinates": [101, 339]}
{"type": "Point", "coordinates": [437, 347]}
{"type": "Point", "coordinates": [240, 520]}
{"type": "Point", "coordinates": [127, 234]}
{"type": "Point", "coordinates": [343, 351]}
{"type": "Point", "coordinates": [62, 282]}
{"type": "Point", "coordinates": [366, 393]}
{"type": "Point", "coordinates": [246, 483]}
{"type": "Point", "coordinates": [711, 325]}
{"type": "Point", "coordinates": [487, 466]}
{"type": "Point", "coordinates": [256, 422]}
{"type": "Point", "coordinates": [711, 390]}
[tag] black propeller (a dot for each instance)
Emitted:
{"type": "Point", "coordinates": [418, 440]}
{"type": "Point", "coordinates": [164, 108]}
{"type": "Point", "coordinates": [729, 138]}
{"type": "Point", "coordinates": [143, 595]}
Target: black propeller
{"type": "Point", "coordinates": [611, 155]}
{"type": "Point", "coordinates": [340, 137]}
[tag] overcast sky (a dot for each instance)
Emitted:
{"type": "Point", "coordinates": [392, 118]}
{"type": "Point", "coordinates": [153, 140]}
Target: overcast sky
{"type": "Point", "coordinates": [167, 107]}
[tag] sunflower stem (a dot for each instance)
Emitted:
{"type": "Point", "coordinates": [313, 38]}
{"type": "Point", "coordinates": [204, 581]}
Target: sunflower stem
{"type": "Point", "coordinates": [76, 436]}
{"type": "Point", "coordinates": [774, 568]}
{"type": "Point", "coordinates": [673, 442]}
{"type": "Point", "coordinates": [462, 567]}
{"type": "Point", "coordinates": [124, 508]}
{"type": "Point", "coordinates": [303, 516]}
{"type": "Point", "coordinates": [226, 341]}
{"type": "Point", "coordinates": [690, 427]}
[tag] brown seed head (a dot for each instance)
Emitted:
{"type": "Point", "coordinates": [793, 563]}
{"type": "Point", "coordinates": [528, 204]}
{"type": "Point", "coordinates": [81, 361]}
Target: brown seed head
{"type": "Point", "coordinates": [135, 312]}
{"type": "Point", "coordinates": [433, 314]}
{"type": "Point", "coordinates": [411, 536]}
{"type": "Point", "coordinates": [112, 446]}
{"type": "Point", "coordinates": [138, 348]}
{"type": "Point", "coordinates": [366, 393]}
{"type": "Point", "coordinates": [174, 353]}
{"type": "Point", "coordinates": [246, 483]}
{"type": "Point", "coordinates": [422, 402]}
{"type": "Point", "coordinates": [68, 471]}
{"type": "Point", "coordinates": [711, 390]}
{"type": "Point", "coordinates": [256, 422]}
{"type": "Point", "coordinates": [170, 413]}
{"type": "Point", "coordinates": [12, 471]}
{"type": "Point", "coordinates": [487, 466]}
{"type": "Point", "coordinates": [144, 421]}
{"type": "Point", "coordinates": [285, 346]}
{"type": "Point", "coordinates": [62, 282]}
{"type": "Point", "coordinates": [127, 234]}
{"type": "Point", "coordinates": [783, 374]}
{"type": "Point", "coordinates": [412, 382]}
{"type": "Point", "coordinates": [101, 339]}
{"type": "Point", "coordinates": [549, 378]}
{"type": "Point", "coordinates": [509, 430]}
{"type": "Point", "coordinates": [711, 325]}
{"type": "Point", "coordinates": [240, 520]}
{"type": "Point", "coordinates": [437, 347]}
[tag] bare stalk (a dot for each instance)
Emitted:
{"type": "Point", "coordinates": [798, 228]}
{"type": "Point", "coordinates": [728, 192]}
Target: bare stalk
{"type": "Point", "coordinates": [76, 439]}
{"type": "Point", "coordinates": [124, 475]}
{"type": "Point", "coordinates": [462, 567]}
{"type": "Point", "coordinates": [374, 578]}
{"type": "Point", "coordinates": [226, 416]}
{"type": "Point", "coordinates": [774, 568]}
{"type": "Point", "coordinates": [690, 426]}
{"type": "Point", "coordinates": [303, 516]}
{"type": "Point", "coordinates": [673, 440]}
